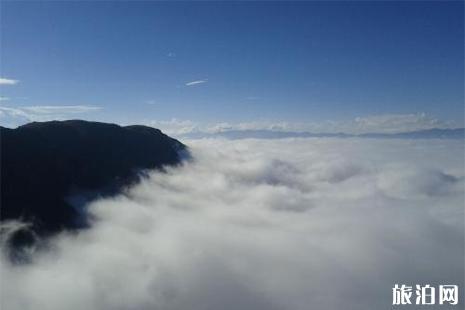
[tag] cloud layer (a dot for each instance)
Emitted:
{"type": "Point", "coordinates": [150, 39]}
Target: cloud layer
{"type": "Point", "coordinates": [263, 224]}
{"type": "Point", "coordinates": [386, 123]}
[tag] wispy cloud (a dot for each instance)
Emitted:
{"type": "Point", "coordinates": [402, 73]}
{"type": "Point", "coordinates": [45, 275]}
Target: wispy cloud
{"type": "Point", "coordinates": [8, 112]}
{"type": "Point", "coordinates": [5, 81]}
{"type": "Point", "coordinates": [2, 98]}
{"type": "Point", "coordinates": [196, 82]}
{"type": "Point", "coordinates": [14, 116]}
{"type": "Point", "coordinates": [66, 109]}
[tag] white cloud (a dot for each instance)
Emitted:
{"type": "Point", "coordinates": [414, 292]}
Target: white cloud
{"type": "Point", "coordinates": [5, 81]}
{"type": "Point", "coordinates": [174, 126]}
{"type": "Point", "coordinates": [14, 116]}
{"type": "Point", "coordinates": [388, 123]}
{"type": "Point", "coordinates": [259, 224]}
{"type": "Point", "coordinates": [2, 98]}
{"type": "Point", "coordinates": [196, 82]}
{"type": "Point", "coordinates": [179, 127]}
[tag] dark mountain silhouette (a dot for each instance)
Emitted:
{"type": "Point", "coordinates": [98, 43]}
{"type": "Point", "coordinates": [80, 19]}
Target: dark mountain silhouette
{"type": "Point", "coordinates": [42, 164]}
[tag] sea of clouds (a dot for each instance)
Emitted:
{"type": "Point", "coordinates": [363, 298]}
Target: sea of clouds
{"type": "Point", "coordinates": [292, 224]}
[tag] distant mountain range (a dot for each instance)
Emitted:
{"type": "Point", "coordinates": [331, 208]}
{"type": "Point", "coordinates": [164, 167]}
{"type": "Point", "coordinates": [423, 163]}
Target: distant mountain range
{"type": "Point", "coordinates": [435, 133]}
{"type": "Point", "coordinates": [44, 164]}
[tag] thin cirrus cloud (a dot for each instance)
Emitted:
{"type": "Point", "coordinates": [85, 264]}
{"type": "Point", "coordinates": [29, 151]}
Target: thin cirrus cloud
{"type": "Point", "coordinates": [5, 81]}
{"type": "Point", "coordinates": [14, 116]}
{"type": "Point", "coordinates": [197, 82]}
{"type": "Point", "coordinates": [67, 109]}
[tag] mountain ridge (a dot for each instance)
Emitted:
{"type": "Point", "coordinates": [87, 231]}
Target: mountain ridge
{"type": "Point", "coordinates": [42, 163]}
{"type": "Point", "coordinates": [433, 133]}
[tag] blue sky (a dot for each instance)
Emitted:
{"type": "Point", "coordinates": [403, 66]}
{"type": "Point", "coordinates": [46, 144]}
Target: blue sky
{"type": "Point", "coordinates": [232, 62]}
